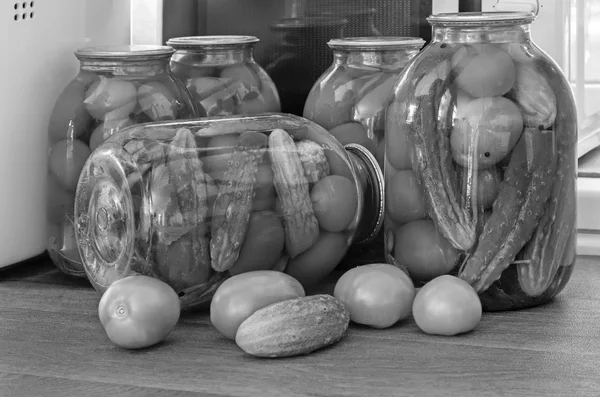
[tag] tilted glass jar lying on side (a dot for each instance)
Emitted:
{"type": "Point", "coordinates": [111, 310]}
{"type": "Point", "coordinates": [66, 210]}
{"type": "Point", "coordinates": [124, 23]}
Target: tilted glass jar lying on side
{"type": "Point", "coordinates": [350, 97]}
{"type": "Point", "coordinates": [116, 87]}
{"type": "Point", "coordinates": [222, 76]}
{"type": "Point", "coordinates": [194, 202]}
{"type": "Point", "coordinates": [480, 162]}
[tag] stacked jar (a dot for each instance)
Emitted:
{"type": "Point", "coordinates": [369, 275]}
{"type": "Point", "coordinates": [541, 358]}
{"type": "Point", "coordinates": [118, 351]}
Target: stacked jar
{"type": "Point", "coordinates": [480, 162]}
{"type": "Point", "coordinates": [153, 200]}
{"type": "Point", "coordinates": [222, 76]}
{"type": "Point", "coordinates": [116, 87]}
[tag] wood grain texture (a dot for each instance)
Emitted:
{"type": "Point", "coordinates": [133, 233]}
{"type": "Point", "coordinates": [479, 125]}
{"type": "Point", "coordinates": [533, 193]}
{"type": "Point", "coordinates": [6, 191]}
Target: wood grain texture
{"type": "Point", "coordinates": [52, 344]}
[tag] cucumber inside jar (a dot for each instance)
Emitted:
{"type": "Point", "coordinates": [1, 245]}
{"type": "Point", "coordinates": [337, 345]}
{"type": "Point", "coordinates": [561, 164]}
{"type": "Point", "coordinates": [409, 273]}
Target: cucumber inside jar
{"type": "Point", "coordinates": [486, 168]}
{"type": "Point", "coordinates": [198, 205]}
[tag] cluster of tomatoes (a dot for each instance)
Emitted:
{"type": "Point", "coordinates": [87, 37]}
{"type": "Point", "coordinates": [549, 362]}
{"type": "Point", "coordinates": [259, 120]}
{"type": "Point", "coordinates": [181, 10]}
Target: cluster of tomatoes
{"type": "Point", "coordinates": [140, 311]}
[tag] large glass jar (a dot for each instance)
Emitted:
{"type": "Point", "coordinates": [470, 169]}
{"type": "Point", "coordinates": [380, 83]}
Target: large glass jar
{"type": "Point", "coordinates": [195, 202]}
{"type": "Point", "coordinates": [116, 87]}
{"type": "Point", "coordinates": [480, 162]}
{"type": "Point", "coordinates": [350, 97]}
{"type": "Point", "coordinates": [222, 76]}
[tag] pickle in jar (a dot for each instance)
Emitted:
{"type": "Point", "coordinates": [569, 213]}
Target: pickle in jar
{"type": "Point", "coordinates": [193, 232]}
{"type": "Point", "coordinates": [490, 127]}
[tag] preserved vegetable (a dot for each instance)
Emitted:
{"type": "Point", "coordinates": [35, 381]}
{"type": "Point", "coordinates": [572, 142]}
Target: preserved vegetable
{"type": "Point", "coordinates": [148, 203]}
{"type": "Point", "coordinates": [482, 129]}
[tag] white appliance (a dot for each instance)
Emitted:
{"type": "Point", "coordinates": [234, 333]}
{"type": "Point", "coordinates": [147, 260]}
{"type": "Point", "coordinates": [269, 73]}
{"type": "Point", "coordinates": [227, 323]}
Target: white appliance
{"type": "Point", "coordinates": [38, 38]}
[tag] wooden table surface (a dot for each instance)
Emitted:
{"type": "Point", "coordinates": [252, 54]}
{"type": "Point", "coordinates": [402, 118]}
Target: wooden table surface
{"type": "Point", "coordinates": [52, 344]}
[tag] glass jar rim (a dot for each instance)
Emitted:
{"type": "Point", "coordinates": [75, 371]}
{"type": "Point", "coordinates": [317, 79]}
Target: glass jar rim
{"type": "Point", "coordinates": [214, 41]}
{"type": "Point", "coordinates": [125, 53]}
{"type": "Point", "coordinates": [375, 43]}
{"type": "Point", "coordinates": [481, 18]}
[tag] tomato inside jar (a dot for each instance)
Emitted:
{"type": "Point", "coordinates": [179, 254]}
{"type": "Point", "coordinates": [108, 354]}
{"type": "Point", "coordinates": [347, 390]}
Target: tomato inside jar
{"type": "Point", "coordinates": [193, 203]}
{"type": "Point", "coordinates": [116, 87]}
{"type": "Point", "coordinates": [222, 76]}
{"type": "Point", "coordinates": [480, 154]}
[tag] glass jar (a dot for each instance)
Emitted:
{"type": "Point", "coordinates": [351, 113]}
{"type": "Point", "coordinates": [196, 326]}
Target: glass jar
{"type": "Point", "coordinates": [115, 87]}
{"type": "Point", "coordinates": [300, 56]}
{"type": "Point", "coordinates": [480, 162]}
{"type": "Point", "coordinates": [222, 76]}
{"type": "Point", "coordinates": [349, 98]}
{"type": "Point", "coordinates": [195, 202]}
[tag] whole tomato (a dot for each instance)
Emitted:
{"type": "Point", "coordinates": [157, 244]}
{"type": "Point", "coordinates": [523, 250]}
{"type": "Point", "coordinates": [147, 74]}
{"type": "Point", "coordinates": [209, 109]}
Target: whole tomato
{"type": "Point", "coordinates": [243, 294]}
{"type": "Point", "coordinates": [447, 306]}
{"type": "Point", "coordinates": [138, 311]}
{"type": "Point", "coordinates": [378, 295]}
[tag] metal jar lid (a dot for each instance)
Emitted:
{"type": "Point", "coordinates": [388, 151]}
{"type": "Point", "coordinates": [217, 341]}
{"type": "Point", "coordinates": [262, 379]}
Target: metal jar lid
{"type": "Point", "coordinates": [212, 42]}
{"type": "Point", "coordinates": [125, 53]}
{"type": "Point", "coordinates": [504, 18]}
{"type": "Point", "coordinates": [375, 43]}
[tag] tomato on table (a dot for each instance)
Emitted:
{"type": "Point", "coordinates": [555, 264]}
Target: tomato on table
{"type": "Point", "coordinates": [243, 294]}
{"type": "Point", "coordinates": [138, 311]}
{"type": "Point", "coordinates": [447, 306]}
{"type": "Point", "coordinates": [378, 295]}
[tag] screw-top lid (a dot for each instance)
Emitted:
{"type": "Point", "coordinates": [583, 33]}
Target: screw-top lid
{"type": "Point", "coordinates": [124, 52]}
{"type": "Point", "coordinates": [214, 42]}
{"type": "Point", "coordinates": [481, 18]}
{"type": "Point", "coordinates": [375, 43]}
{"type": "Point", "coordinates": [371, 219]}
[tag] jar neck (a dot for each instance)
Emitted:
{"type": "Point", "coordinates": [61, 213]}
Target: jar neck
{"type": "Point", "coordinates": [126, 68]}
{"type": "Point", "coordinates": [482, 34]}
{"type": "Point", "coordinates": [383, 59]}
{"type": "Point", "coordinates": [217, 56]}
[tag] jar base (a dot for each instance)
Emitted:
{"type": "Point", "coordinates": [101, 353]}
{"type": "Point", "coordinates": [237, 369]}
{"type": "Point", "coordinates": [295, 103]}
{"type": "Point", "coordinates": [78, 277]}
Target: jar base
{"type": "Point", "coordinates": [64, 262]}
{"type": "Point", "coordinates": [506, 295]}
